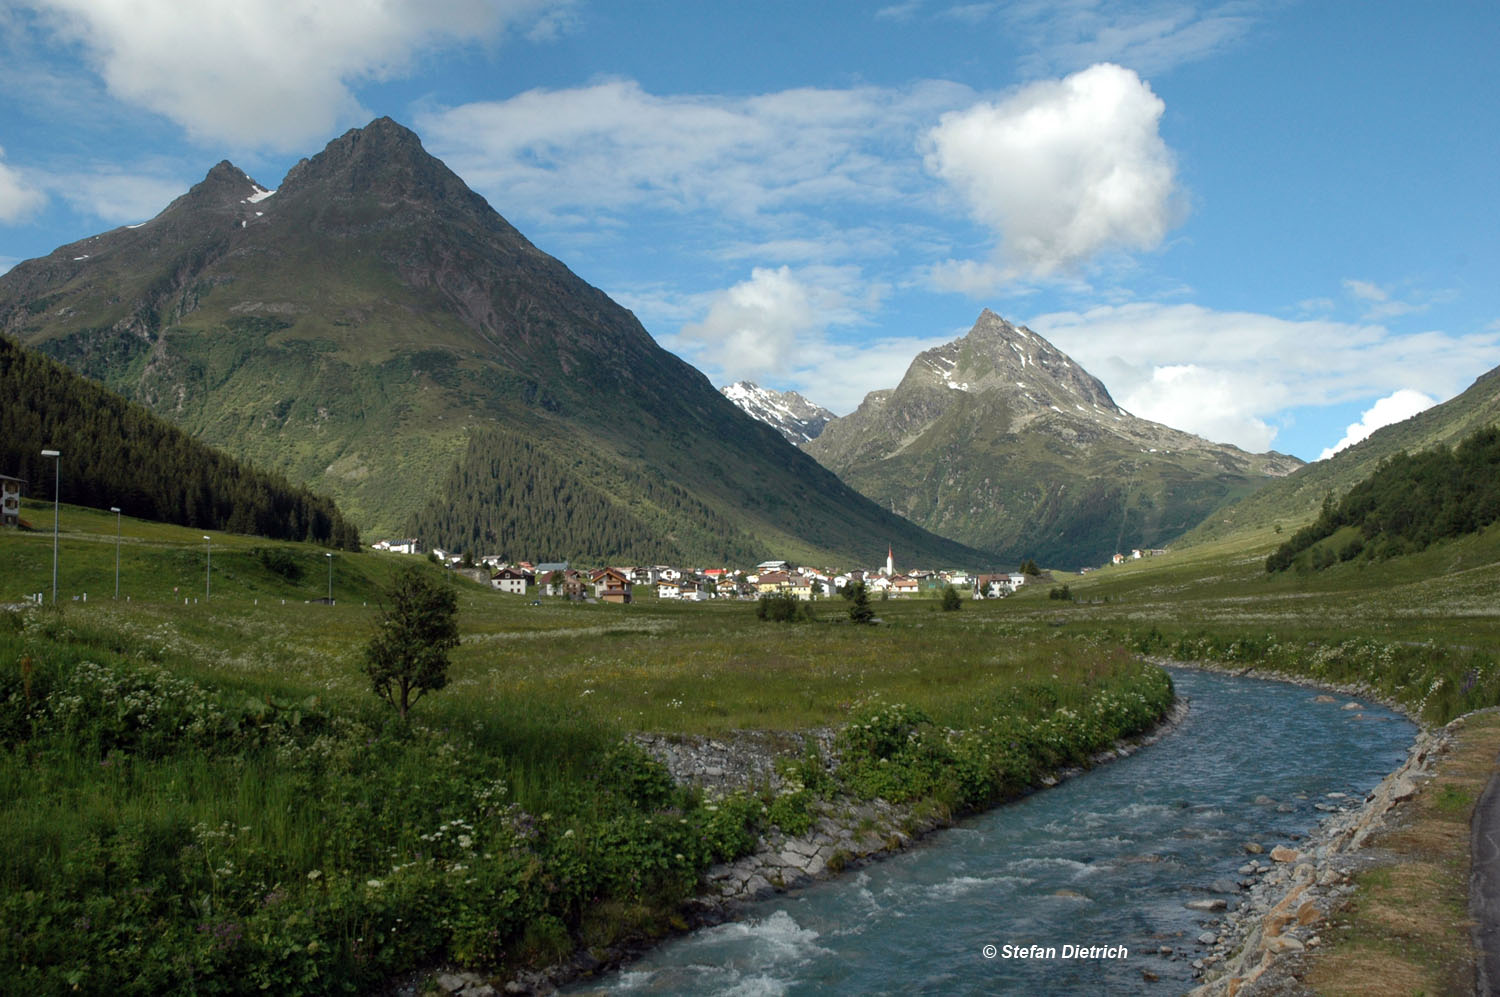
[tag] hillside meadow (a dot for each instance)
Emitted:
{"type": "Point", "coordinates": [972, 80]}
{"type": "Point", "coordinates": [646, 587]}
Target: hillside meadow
{"type": "Point", "coordinates": [201, 793]}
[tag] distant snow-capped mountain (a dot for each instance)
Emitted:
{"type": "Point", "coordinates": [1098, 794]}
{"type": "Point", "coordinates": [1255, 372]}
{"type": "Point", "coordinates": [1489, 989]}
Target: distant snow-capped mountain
{"type": "Point", "coordinates": [793, 416]}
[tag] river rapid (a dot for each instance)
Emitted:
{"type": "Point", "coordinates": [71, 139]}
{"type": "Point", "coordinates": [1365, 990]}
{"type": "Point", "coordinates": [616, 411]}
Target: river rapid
{"type": "Point", "coordinates": [1078, 889]}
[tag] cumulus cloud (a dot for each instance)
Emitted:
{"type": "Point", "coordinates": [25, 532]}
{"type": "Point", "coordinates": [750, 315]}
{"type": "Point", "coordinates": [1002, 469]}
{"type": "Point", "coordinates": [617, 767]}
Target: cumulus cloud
{"type": "Point", "coordinates": [1227, 375]}
{"type": "Point", "coordinates": [277, 73]}
{"type": "Point", "coordinates": [1391, 409]}
{"type": "Point", "coordinates": [19, 198]}
{"type": "Point", "coordinates": [775, 329]}
{"type": "Point", "coordinates": [1060, 171]}
{"type": "Point", "coordinates": [762, 325]}
{"type": "Point", "coordinates": [1212, 403]}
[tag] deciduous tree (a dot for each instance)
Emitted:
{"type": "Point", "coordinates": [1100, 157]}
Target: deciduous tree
{"type": "Point", "coordinates": [407, 656]}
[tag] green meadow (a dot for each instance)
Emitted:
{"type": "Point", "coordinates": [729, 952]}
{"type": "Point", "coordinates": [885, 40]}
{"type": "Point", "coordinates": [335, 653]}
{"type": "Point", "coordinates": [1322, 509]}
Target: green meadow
{"type": "Point", "coordinates": [200, 793]}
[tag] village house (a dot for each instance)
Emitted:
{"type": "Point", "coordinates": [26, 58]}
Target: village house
{"type": "Point", "coordinates": [997, 586]}
{"type": "Point", "coordinates": [905, 587]}
{"type": "Point", "coordinates": [10, 500]}
{"type": "Point", "coordinates": [667, 590]}
{"type": "Point", "coordinates": [510, 580]}
{"type": "Point", "coordinates": [800, 586]}
{"type": "Point", "coordinates": [610, 585]}
{"type": "Point", "coordinates": [562, 581]}
{"type": "Point", "coordinates": [771, 582]}
{"type": "Point", "coordinates": [693, 592]}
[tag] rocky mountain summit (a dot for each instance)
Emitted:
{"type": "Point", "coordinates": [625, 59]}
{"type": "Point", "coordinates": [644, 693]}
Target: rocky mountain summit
{"type": "Point", "coordinates": [1001, 440]}
{"type": "Point", "coordinates": [787, 412]}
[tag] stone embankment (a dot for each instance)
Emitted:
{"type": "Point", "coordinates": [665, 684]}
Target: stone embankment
{"type": "Point", "coordinates": [845, 832]}
{"type": "Point", "coordinates": [1289, 892]}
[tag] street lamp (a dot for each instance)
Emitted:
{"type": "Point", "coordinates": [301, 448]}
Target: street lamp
{"type": "Point", "coordinates": [56, 456]}
{"type": "Point", "coordinates": [116, 510]}
{"type": "Point", "coordinates": [208, 565]}
{"type": "Point", "coordinates": [329, 555]}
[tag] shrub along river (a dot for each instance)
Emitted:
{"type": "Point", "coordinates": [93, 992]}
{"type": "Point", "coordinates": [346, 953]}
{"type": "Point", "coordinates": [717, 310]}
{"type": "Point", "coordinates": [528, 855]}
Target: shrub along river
{"type": "Point", "coordinates": [1103, 863]}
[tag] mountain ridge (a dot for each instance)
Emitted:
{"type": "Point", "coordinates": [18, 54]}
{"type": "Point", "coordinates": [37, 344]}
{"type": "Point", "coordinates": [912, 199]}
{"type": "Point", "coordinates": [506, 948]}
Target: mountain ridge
{"type": "Point", "coordinates": [356, 326]}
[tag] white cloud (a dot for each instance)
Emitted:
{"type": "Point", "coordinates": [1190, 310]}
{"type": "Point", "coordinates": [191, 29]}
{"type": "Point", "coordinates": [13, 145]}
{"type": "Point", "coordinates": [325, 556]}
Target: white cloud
{"type": "Point", "coordinates": [774, 328]}
{"type": "Point", "coordinates": [612, 146]}
{"type": "Point", "coordinates": [1149, 37]}
{"type": "Point", "coordinates": [1389, 410]}
{"type": "Point", "coordinates": [1061, 171]}
{"type": "Point", "coordinates": [276, 73]}
{"type": "Point", "coordinates": [1214, 404]}
{"type": "Point", "coordinates": [841, 374]}
{"type": "Point", "coordinates": [1227, 375]}
{"type": "Point", "coordinates": [19, 197]}
{"type": "Point", "coordinates": [1379, 302]}
{"type": "Point", "coordinates": [115, 195]}
{"type": "Point", "coordinates": [765, 324]}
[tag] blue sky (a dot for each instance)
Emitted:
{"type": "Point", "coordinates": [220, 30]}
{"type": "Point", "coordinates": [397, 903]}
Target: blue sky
{"type": "Point", "coordinates": [1271, 223]}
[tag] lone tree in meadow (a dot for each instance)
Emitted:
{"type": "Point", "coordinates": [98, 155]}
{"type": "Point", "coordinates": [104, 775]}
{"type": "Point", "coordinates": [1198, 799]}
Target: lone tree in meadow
{"type": "Point", "coordinates": [952, 601]}
{"type": "Point", "coordinates": [859, 602]}
{"type": "Point", "coordinates": [418, 626]}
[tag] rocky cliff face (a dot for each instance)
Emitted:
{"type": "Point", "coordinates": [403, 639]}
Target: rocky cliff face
{"type": "Point", "coordinates": [787, 412]}
{"type": "Point", "coordinates": [1001, 440]}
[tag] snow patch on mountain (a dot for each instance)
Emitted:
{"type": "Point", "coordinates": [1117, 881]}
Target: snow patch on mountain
{"type": "Point", "coordinates": [787, 412]}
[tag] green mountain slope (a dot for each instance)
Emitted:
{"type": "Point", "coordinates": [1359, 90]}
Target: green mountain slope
{"type": "Point", "coordinates": [1001, 441]}
{"type": "Point", "coordinates": [115, 453]}
{"type": "Point", "coordinates": [1297, 498]}
{"type": "Point", "coordinates": [1411, 502]}
{"type": "Point", "coordinates": [356, 326]}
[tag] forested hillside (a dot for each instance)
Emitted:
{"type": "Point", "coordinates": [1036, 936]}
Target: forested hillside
{"type": "Point", "coordinates": [508, 496]}
{"type": "Point", "coordinates": [1411, 502]}
{"type": "Point", "coordinates": [116, 453]}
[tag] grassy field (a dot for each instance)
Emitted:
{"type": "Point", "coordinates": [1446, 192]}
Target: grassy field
{"type": "Point", "coordinates": [199, 790]}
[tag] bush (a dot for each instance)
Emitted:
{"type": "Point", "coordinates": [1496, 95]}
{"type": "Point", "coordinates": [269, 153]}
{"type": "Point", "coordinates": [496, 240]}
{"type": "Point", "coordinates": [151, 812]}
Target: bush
{"type": "Point", "coordinates": [782, 607]}
{"type": "Point", "coordinates": [952, 602]}
{"type": "Point", "coordinates": [279, 561]}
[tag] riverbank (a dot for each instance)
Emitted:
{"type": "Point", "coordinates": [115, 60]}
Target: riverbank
{"type": "Point", "coordinates": [1394, 914]}
{"type": "Point", "coordinates": [1295, 914]}
{"type": "Point", "coordinates": [846, 833]}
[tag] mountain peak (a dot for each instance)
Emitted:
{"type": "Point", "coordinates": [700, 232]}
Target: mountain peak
{"type": "Point", "coordinates": [384, 158]}
{"type": "Point", "coordinates": [997, 355]}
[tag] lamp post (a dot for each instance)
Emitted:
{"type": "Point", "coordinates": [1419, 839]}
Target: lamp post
{"type": "Point", "coordinates": [208, 565]}
{"type": "Point", "coordinates": [56, 456]}
{"type": "Point", "coordinates": [116, 510]}
{"type": "Point", "coordinates": [329, 555]}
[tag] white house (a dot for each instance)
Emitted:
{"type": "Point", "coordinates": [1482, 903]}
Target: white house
{"type": "Point", "coordinates": [509, 580]}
